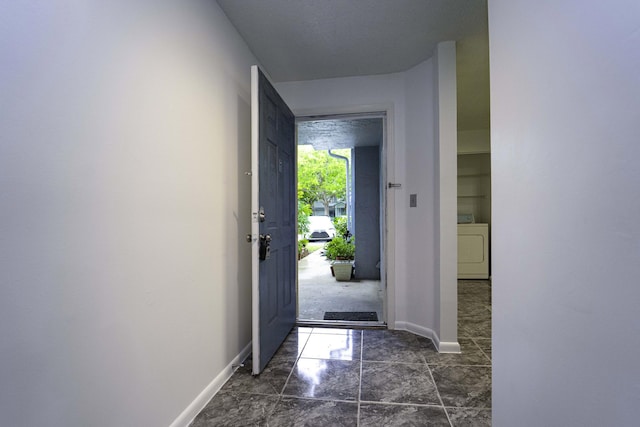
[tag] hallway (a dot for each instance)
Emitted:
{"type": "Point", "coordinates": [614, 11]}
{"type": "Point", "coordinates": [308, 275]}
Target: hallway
{"type": "Point", "coordinates": [350, 377]}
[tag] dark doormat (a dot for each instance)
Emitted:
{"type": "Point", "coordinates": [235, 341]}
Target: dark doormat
{"type": "Point", "coordinates": [352, 316]}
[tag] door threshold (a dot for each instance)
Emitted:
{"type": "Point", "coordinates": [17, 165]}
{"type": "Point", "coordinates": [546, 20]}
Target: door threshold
{"type": "Point", "coordinates": [306, 323]}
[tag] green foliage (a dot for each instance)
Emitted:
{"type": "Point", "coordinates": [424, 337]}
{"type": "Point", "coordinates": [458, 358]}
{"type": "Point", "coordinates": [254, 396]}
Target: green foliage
{"type": "Point", "coordinates": [302, 243]}
{"type": "Point", "coordinates": [339, 248]}
{"type": "Point", "coordinates": [340, 222]}
{"type": "Point", "coordinates": [320, 177]}
{"type": "Point", "coordinates": [314, 246]}
{"type": "Point", "coordinates": [304, 210]}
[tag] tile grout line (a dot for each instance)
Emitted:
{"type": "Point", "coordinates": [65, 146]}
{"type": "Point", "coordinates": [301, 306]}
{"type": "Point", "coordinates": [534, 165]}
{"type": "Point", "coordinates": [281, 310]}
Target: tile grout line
{"type": "Point", "coordinates": [391, 362]}
{"type": "Point", "coordinates": [281, 394]}
{"type": "Point", "coordinates": [481, 408]}
{"type": "Point", "coordinates": [317, 399]}
{"type": "Point", "coordinates": [410, 404]}
{"type": "Point", "coordinates": [437, 391]}
{"type": "Point", "coordinates": [295, 363]}
{"type": "Point", "coordinates": [483, 352]}
{"type": "Point", "coordinates": [300, 347]}
{"type": "Point", "coordinates": [457, 365]}
{"type": "Point", "coordinates": [273, 409]}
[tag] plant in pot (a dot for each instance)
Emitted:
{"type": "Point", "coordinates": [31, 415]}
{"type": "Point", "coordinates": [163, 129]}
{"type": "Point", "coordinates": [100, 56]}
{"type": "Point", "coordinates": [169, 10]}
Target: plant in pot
{"type": "Point", "coordinates": [341, 252]}
{"type": "Point", "coordinates": [302, 248]}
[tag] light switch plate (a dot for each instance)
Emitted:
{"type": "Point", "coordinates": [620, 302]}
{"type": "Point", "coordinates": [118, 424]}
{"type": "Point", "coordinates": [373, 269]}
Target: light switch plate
{"type": "Point", "coordinates": [413, 200]}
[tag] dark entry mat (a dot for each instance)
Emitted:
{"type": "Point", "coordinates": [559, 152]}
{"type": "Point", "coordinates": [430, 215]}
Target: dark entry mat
{"type": "Point", "coordinates": [352, 316]}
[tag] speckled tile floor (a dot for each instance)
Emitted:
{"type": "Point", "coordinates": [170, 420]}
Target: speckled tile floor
{"type": "Point", "coordinates": [349, 377]}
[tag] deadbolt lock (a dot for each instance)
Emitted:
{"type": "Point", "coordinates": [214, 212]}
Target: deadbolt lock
{"type": "Point", "coordinates": [265, 246]}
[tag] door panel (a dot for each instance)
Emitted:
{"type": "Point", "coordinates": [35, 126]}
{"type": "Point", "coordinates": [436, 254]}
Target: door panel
{"type": "Point", "coordinates": [273, 192]}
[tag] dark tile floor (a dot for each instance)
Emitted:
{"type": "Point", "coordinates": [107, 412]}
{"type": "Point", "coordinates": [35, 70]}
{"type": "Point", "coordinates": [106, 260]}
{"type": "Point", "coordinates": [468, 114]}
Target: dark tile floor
{"type": "Point", "coordinates": [349, 377]}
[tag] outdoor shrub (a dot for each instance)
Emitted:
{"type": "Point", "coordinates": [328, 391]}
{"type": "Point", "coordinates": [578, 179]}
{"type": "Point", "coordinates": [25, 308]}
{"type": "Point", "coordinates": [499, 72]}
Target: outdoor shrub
{"type": "Point", "coordinates": [339, 248]}
{"type": "Point", "coordinates": [303, 218]}
{"type": "Point", "coordinates": [340, 222]}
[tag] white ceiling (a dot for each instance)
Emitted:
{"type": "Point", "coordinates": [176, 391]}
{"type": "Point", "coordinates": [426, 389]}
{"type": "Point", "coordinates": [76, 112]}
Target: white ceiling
{"type": "Point", "coordinates": [318, 39]}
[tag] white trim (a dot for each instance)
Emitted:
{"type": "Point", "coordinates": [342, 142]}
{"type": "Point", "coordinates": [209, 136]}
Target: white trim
{"type": "Point", "coordinates": [388, 268]}
{"type": "Point", "coordinates": [255, 225]}
{"type": "Point", "coordinates": [446, 190]}
{"type": "Point", "coordinates": [441, 346]}
{"type": "Point", "coordinates": [336, 111]}
{"type": "Point", "coordinates": [388, 271]}
{"type": "Point", "coordinates": [343, 116]}
{"type": "Point", "coordinates": [449, 347]}
{"type": "Point", "coordinates": [193, 409]}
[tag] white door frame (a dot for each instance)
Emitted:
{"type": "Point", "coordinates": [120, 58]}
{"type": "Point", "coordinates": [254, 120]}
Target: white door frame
{"type": "Point", "coordinates": [387, 267]}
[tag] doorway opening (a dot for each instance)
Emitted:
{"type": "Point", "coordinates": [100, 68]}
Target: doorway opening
{"type": "Point", "coordinates": [341, 219]}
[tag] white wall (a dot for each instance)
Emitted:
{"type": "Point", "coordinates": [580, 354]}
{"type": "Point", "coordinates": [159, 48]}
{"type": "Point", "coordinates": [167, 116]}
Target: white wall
{"type": "Point", "coordinates": [357, 94]}
{"type": "Point", "coordinates": [421, 179]}
{"type": "Point", "coordinates": [125, 285]}
{"type": "Point", "coordinates": [565, 110]}
{"type": "Point", "coordinates": [411, 158]}
{"type": "Point", "coordinates": [446, 195]}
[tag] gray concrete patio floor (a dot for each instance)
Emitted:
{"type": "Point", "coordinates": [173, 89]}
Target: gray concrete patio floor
{"type": "Point", "coordinates": [318, 291]}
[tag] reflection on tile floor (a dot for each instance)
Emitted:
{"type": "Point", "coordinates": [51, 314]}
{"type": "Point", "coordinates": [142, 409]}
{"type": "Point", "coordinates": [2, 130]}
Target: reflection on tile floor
{"type": "Point", "coordinates": [349, 377]}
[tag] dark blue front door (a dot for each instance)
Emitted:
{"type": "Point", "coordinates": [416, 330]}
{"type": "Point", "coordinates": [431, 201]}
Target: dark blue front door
{"type": "Point", "coordinates": [275, 247]}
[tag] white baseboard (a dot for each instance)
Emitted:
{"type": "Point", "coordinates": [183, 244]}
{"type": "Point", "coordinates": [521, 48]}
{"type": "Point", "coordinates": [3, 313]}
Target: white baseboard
{"type": "Point", "coordinates": [441, 346]}
{"type": "Point", "coordinates": [194, 408]}
{"type": "Point", "coordinates": [449, 347]}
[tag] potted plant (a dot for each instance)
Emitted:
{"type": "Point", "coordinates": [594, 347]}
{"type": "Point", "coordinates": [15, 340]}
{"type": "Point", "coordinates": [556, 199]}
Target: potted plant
{"type": "Point", "coordinates": [341, 252]}
{"type": "Point", "coordinates": [302, 248]}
